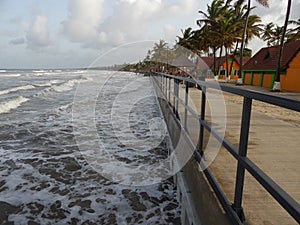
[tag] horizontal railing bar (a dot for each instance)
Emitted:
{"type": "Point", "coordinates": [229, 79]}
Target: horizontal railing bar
{"type": "Point", "coordinates": [194, 114]}
{"type": "Point", "coordinates": [222, 198]}
{"type": "Point", "coordinates": [284, 102]}
{"type": "Point", "coordinates": [282, 197]}
{"type": "Point", "coordinates": [229, 147]}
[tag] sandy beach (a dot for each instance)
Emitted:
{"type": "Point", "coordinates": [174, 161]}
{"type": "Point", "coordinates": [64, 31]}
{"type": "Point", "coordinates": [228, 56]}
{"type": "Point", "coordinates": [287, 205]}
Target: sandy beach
{"type": "Point", "coordinates": [276, 112]}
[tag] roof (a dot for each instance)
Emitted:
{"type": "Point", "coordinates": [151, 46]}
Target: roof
{"type": "Point", "coordinates": [266, 58]}
{"type": "Point", "coordinates": [220, 60]}
{"type": "Point", "coordinates": [182, 61]}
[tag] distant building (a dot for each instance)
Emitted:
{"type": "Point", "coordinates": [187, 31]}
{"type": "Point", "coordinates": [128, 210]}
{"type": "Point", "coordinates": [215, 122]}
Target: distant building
{"type": "Point", "coordinates": [260, 70]}
{"type": "Point", "coordinates": [221, 64]}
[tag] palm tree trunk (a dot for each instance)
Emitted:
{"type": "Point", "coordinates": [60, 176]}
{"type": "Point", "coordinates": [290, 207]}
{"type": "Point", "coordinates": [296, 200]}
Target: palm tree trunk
{"type": "Point", "coordinates": [214, 53]}
{"type": "Point", "coordinates": [240, 81]}
{"type": "Point", "coordinates": [226, 58]}
{"type": "Point", "coordinates": [220, 55]}
{"type": "Point", "coordinates": [276, 86]}
{"type": "Point", "coordinates": [234, 53]}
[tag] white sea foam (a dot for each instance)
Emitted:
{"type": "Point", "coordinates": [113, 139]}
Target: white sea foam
{"type": "Point", "coordinates": [49, 83]}
{"type": "Point", "coordinates": [38, 71]}
{"type": "Point", "coordinates": [10, 75]}
{"type": "Point", "coordinates": [39, 169]}
{"type": "Point", "coordinates": [7, 91]}
{"type": "Point", "coordinates": [3, 71]}
{"type": "Point", "coordinates": [65, 86]}
{"type": "Point", "coordinates": [12, 104]}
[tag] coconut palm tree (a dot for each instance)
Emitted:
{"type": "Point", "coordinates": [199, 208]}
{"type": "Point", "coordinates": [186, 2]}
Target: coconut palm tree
{"type": "Point", "coordinates": [268, 32]}
{"type": "Point", "coordinates": [264, 3]}
{"type": "Point", "coordinates": [209, 25]}
{"type": "Point", "coordinates": [276, 86]}
{"type": "Point", "coordinates": [294, 33]}
{"type": "Point", "coordinates": [160, 52]}
{"type": "Point", "coordinates": [254, 29]}
{"type": "Point", "coordinates": [186, 39]}
{"type": "Point", "coordinates": [228, 32]}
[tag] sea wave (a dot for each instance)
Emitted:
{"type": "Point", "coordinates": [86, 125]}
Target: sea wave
{"type": "Point", "coordinates": [10, 75]}
{"type": "Point", "coordinates": [49, 83]}
{"type": "Point", "coordinates": [38, 71]}
{"type": "Point", "coordinates": [62, 87]}
{"type": "Point", "coordinates": [7, 91]}
{"type": "Point", "coordinates": [12, 104]}
{"type": "Point", "coordinates": [65, 86]}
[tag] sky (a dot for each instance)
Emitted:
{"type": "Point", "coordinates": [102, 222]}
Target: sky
{"type": "Point", "coordinates": [48, 34]}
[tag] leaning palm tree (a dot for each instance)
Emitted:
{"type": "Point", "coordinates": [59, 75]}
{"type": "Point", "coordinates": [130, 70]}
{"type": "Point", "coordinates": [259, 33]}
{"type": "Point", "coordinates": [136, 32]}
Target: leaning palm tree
{"type": "Point", "coordinates": [276, 86]}
{"type": "Point", "coordinates": [262, 2]}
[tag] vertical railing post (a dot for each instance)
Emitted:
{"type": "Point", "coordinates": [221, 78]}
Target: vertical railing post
{"type": "Point", "coordinates": [186, 103]}
{"type": "Point", "coordinates": [174, 91]}
{"type": "Point", "coordinates": [202, 117]}
{"type": "Point", "coordinates": [166, 87]}
{"type": "Point", "coordinates": [176, 95]}
{"type": "Point", "coordinates": [169, 89]}
{"type": "Point", "coordinates": [243, 145]}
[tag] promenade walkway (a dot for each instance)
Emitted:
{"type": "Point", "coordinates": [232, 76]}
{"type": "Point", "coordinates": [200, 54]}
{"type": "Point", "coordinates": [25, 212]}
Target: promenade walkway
{"type": "Point", "coordinates": [274, 145]}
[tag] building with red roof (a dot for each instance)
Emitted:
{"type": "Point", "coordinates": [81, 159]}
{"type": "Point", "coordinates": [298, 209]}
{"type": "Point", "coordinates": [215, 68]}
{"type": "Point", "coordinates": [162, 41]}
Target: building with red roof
{"type": "Point", "coordinates": [221, 64]}
{"type": "Point", "coordinates": [260, 70]}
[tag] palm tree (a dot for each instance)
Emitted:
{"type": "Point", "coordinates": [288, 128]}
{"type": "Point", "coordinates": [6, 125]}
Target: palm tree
{"type": "Point", "coordinates": [254, 29]}
{"type": "Point", "coordinates": [268, 32]}
{"type": "Point", "coordinates": [228, 32]}
{"type": "Point", "coordinates": [160, 52]}
{"type": "Point", "coordinates": [276, 86]}
{"type": "Point", "coordinates": [294, 33]}
{"type": "Point", "coordinates": [209, 25]}
{"type": "Point", "coordinates": [272, 34]}
{"type": "Point", "coordinates": [264, 3]}
{"type": "Point", "coordinates": [186, 39]}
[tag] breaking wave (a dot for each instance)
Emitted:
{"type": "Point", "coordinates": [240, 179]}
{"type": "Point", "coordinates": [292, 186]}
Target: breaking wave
{"type": "Point", "coordinates": [12, 104]}
{"type": "Point", "coordinates": [7, 91]}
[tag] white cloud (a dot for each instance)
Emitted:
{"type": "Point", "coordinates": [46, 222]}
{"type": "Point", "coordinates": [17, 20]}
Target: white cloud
{"type": "Point", "coordinates": [275, 14]}
{"type": "Point", "coordinates": [129, 20]}
{"type": "Point", "coordinates": [38, 34]}
{"type": "Point", "coordinates": [277, 11]}
{"type": "Point", "coordinates": [84, 17]}
{"type": "Point", "coordinates": [170, 33]}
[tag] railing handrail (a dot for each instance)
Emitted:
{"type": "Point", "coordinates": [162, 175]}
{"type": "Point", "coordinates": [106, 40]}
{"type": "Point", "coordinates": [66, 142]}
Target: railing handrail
{"type": "Point", "coordinates": [240, 154]}
{"type": "Point", "coordinates": [281, 101]}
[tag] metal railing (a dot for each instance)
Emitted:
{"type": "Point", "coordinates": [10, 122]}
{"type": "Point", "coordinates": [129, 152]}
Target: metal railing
{"type": "Point", "coordinates": [235, 210]}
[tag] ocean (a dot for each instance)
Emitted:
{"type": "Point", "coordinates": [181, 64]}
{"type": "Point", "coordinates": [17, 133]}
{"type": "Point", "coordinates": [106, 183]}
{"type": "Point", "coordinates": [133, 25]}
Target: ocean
{"type": "Point", "coordinates": [83, 147]}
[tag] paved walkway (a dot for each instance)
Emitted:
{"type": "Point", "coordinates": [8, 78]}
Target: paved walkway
{"type": "Point", "coordinates": [273, 146]}
{"type": "Point", "coordinates": [293, 95]}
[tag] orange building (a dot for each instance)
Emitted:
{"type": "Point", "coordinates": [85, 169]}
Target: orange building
{"type": "Point", "coordinates": [260, 70]}
{"type": "Point", "coordinates": [221, 64]}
